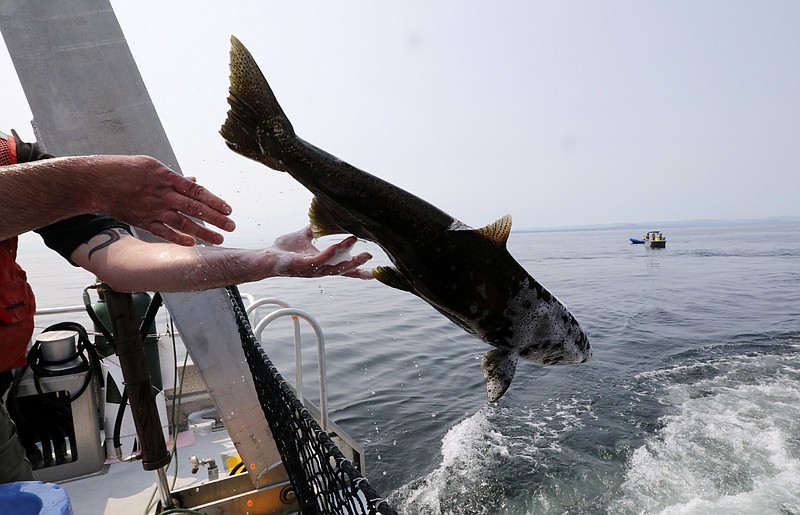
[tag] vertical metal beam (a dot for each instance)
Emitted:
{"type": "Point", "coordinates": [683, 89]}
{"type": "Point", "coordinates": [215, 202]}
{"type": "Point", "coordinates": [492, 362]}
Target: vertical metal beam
{"type": "Point", "coordinates": [87, 97]}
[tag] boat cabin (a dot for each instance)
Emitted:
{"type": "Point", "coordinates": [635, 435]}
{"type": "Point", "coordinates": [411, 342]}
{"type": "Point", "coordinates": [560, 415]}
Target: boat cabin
{"type": "Point", "coordinates": [655, 239]}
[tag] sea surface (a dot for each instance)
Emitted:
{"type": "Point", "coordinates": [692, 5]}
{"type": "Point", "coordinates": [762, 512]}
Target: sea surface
{"type": "Point", "coordinates": [691, 404]}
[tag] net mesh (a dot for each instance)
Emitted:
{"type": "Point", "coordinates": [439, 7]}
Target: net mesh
{"type": "Point", "coordinates": [5, 151]}
{"type": "Point", "coordinates": [324, 480]}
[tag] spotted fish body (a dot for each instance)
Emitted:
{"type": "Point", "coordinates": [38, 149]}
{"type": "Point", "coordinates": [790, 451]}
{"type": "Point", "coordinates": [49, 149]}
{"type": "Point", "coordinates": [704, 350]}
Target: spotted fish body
{"type": "Point", "coordinates": [466, 274]}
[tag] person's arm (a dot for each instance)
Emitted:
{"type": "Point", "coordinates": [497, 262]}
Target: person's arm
{"type": "Point", "coordinates": [138, 190]}
{"type": "Point", "coordinates": [127, 264]}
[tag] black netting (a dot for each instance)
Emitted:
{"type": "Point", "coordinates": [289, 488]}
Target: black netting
{"type": "Point", "coordinates": [325, 481]}
{"type": "Point", "coordinates": [5, 152]}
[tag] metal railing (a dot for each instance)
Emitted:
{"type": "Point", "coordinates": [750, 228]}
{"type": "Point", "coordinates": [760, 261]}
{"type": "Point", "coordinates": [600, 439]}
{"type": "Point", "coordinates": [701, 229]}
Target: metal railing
{"type": "Point", "coordinates": [297, 314]}
{"type": "Point", "coordinates": [260, 325]}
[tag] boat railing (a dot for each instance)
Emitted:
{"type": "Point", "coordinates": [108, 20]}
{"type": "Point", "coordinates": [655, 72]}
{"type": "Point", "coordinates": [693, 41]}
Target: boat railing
{"type": "Point", "coordinates": [260, 325]}
{"type": "Point", "coordinates": [59, 310]}
{"type": "Point", "coordinates": [296, 315]}
{"type": "Point", "coordinates": [321, 412]}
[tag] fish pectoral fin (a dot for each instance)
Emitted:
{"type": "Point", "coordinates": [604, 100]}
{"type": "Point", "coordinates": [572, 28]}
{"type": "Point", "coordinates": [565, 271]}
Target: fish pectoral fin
{"type": "Point", "coordinates": [390, 276]}
{"type": "Point", "coordinates": [497, 232]}
{"type": "Point", "coordinates": [322, 220]}
{"type": "Point", "coordinates": [498, 370]}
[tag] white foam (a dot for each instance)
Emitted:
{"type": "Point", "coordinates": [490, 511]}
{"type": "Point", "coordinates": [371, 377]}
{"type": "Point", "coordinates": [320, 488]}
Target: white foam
{"type": "Point", "coordinates": [476, 448]}
{"type": "Point", "coordinates": [465, 449]}
{"type": "Point", "coordinates": [731, 449]}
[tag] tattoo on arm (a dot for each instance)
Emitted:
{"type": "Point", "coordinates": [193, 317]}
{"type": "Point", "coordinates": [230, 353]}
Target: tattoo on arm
{"type": "Point", "coordinates": [113, 236]}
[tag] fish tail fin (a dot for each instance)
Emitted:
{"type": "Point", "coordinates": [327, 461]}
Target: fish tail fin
{"type": "Point", "coordinates": [499, 366]}
{"type": "Point", "coordinates": [252, 103]}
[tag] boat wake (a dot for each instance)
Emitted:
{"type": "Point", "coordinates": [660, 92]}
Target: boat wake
{"type": "Point", "coordinates": [487, 457]}
{"type": "Point", "coordinates": [719, 436]}
{"type": "Point", "coordinates": [729, 445]}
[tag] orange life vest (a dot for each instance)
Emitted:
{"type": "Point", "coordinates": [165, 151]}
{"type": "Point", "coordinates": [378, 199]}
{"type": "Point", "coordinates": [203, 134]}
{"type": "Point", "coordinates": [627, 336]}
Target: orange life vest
{"type": "Point", "coordinates": [17, 304]}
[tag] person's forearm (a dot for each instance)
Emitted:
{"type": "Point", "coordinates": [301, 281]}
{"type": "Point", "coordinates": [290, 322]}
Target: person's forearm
{"type": "Point", "coordinates": [137, 190]}
{"type": "Point", "coordinates": [171, 268]}
{"type": "Point", "coordinates": [127, 264]}
{"type": "Point", "coordinates": [36, 194]}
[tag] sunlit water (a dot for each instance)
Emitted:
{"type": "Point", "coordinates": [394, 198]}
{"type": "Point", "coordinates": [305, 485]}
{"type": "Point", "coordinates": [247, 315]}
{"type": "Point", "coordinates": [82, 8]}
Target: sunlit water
{"type": "Point", "coordinates": [690, 405]}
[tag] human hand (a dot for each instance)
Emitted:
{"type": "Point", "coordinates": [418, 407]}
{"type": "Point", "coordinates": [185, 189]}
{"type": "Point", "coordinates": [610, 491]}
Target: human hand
{"type": "Point", "coordinates": [148, 195]}
{"type": "Point", "coordinates": [298, 257]}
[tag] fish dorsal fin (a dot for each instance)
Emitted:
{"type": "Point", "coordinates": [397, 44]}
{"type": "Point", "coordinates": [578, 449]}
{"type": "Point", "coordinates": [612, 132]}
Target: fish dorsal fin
{"type": "Point", "coordinates": [497, 232]}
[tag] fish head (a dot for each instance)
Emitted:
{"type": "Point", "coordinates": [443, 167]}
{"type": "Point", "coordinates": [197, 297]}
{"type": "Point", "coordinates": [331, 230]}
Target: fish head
{"type": "Point", "coordinates": [537, 327]}
{"type": "Point", "coordinates": [543, 330]}
{"type": "Point", "coordinates": [505, 306]}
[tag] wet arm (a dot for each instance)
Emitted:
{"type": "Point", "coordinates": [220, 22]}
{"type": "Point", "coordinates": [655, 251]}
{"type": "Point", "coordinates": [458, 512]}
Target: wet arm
{"type": "Point", "coordinates": [128, 264]}
{"type": "Point", "coordinates": [138, 190]}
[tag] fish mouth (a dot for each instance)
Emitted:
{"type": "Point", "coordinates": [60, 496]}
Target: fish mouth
{"type": "Point", "coordinates": [558, 352]}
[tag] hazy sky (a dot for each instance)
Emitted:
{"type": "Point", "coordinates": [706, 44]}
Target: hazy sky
{"type": "Point", "coordinates": [558, 112]}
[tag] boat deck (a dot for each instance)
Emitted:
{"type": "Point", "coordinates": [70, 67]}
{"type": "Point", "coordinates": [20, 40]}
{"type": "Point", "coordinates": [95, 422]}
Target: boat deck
{"type": "Point", "coordinates": [126, 488]}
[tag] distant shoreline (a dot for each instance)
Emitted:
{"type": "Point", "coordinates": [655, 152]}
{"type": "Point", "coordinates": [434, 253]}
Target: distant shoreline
{"type": "Point", "coordinates": [31, 243]}
{"type": "Point", "coordinates": [645, 226]}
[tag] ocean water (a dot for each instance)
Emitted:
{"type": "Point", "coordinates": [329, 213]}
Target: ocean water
{"type": "Point", "coordinates": [691, 403]}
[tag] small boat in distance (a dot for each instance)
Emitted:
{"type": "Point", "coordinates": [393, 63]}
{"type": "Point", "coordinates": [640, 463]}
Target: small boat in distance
{"type": "Point", "coordinates": [652, 239]}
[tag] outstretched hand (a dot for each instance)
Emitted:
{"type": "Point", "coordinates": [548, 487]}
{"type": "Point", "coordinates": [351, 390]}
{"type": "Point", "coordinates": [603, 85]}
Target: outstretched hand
{"type": "Point", "coordinates": [156, 199]}
{"type": "Point", "coordinates": [300, 258]}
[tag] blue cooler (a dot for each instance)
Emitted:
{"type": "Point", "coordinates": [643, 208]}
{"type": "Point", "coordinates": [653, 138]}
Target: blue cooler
{"type": "Point", "coordinates": [34, 498]}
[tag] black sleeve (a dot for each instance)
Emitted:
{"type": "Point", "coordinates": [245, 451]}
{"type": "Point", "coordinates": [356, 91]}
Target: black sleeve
{"type": "Point", "coordinates": [65, 236]}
